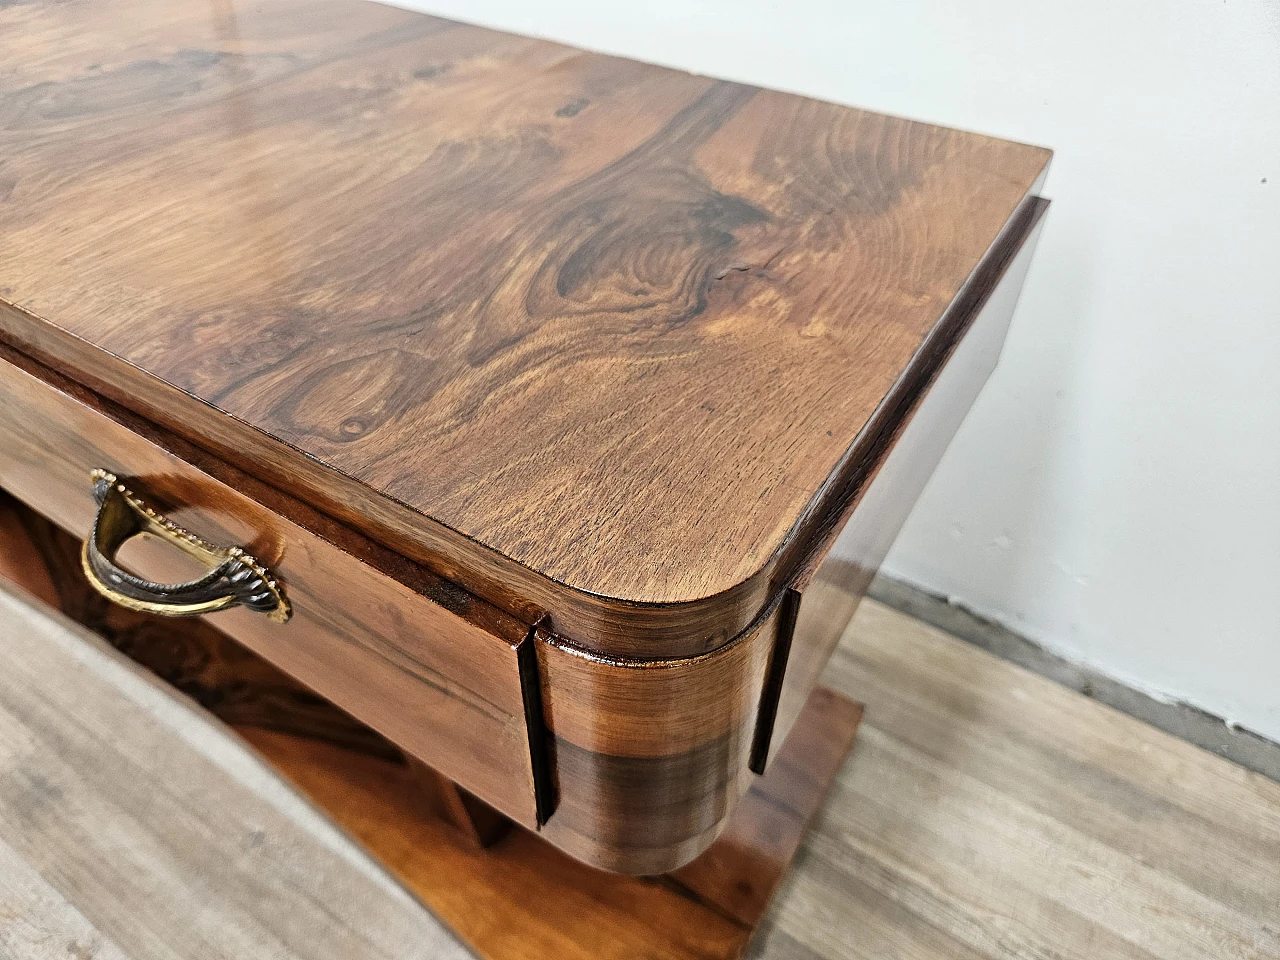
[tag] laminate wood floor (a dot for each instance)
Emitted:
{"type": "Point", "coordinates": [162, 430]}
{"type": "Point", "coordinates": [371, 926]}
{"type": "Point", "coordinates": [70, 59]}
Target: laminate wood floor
{"type": "Point", "coordinates": [135, 827]}
{"type": "Point", "coordinates": [984, 812]}
{"type": "Point", "coordinates": [988, 812]}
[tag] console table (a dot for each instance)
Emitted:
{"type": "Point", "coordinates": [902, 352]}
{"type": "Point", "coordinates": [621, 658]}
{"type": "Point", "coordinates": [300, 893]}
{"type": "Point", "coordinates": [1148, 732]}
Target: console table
{"type": "Point", "coordinates": [546, 412]}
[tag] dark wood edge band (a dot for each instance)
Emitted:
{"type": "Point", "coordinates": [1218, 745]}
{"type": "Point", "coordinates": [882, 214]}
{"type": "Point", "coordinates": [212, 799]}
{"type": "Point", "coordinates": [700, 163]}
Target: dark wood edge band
{"type": "Point", "coordinates": [545, 795]}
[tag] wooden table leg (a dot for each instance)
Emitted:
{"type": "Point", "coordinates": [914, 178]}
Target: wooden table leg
{"type": "Point", "coordinates": [477, 822]}
{"type": "Point", "coordinates": [21, 560]}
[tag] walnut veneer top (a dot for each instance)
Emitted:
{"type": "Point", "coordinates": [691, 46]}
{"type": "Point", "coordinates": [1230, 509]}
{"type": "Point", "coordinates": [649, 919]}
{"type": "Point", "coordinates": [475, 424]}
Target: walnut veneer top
{"type": "Point", "coordinates": [617, 323]}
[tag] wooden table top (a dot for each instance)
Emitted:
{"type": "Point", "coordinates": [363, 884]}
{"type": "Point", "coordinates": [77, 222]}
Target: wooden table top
{"type": "Point", "coordinates": [134, 825]}
{"type": "Point", "coordinates": [618, 324]}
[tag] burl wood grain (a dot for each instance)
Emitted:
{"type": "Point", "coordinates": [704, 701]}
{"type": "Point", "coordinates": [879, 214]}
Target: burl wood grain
{"type": "Point", "coordinates": [643, 760]}
{"type": "Point", "coordinates": [650, 756]}
{"type": "Point", "coordinates": [588, 336]}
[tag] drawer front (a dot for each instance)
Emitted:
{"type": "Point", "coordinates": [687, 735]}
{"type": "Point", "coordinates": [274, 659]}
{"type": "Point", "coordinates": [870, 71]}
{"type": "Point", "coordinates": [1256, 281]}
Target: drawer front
{"type": "Point", "coordinates": [431, 668]}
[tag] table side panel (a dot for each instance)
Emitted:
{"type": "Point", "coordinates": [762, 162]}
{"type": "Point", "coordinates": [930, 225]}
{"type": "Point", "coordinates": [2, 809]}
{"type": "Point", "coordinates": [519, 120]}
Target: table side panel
{"type": "Point", "coordinates": [830, 598]}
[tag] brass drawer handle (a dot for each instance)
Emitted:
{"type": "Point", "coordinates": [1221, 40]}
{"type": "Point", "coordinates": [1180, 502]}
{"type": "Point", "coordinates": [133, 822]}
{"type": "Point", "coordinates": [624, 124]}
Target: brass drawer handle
{"type": "Point", "coordinates": [235, 580]}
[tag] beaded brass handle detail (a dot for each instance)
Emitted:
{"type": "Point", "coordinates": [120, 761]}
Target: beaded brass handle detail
{"type": "Point", "coordinates": [236, 579]}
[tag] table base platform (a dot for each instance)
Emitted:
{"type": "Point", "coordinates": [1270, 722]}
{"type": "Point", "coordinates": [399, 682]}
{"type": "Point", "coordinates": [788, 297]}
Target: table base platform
{"type": "Point", "coordinates": [519, 898]}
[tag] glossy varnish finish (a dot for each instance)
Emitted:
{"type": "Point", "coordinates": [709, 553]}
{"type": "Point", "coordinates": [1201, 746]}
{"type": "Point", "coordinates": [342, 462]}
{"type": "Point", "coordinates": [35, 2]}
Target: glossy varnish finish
{"type": "Point", "coordinates": [650, 756]}
{"type": "Point", "coordinates": [589, 337]}
{"type": "Point", "coordinates": [642, 760]}
{"type": "Point", "coordinates": [543, 380]}
{"type": "Point", "coordinates": [431, 668]}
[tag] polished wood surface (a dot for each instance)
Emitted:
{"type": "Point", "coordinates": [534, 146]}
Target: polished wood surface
{"type": "Point", "coordinates": [135, 827]}
{"type": "Point", "coordinates": [587, 336]}
{"type": "Point", "coordinates": [544, 381]}
{"type": "Point", "coordinates": [641, 761]}
{"type": "Point", "coordinates": [652, 755]}
{"type": "Point", "coordinates": [648, 789]}
{"type": "Point", "coordinates": [649, 757]}
{"type": "Point", "coordinates": [521, 899]}
{"type": "Point", "coordinates": [434, 670]}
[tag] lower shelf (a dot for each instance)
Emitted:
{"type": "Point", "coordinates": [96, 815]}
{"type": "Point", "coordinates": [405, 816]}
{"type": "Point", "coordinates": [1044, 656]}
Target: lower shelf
{"type": "Point", "coordinates": [521, 899]}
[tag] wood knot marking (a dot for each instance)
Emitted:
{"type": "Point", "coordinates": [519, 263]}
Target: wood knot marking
{"type": "Point", "coordinates": [573, 107]}
{"type": "Point", "coordinates": [732, 268]}
{"type": "Point", "coordinates": [352, 398]}
{"type": "Point", "coordinates": [757, 270]}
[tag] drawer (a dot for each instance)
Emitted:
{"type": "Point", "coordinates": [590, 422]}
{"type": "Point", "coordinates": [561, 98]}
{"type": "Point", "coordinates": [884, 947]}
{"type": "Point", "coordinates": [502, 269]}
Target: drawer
{"type": "Point", "coordinates": [437, 671]}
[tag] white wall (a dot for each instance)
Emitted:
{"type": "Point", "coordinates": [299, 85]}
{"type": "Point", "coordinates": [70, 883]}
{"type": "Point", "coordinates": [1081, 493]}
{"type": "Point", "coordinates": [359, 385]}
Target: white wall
{"type": "Point", "coordinates": [1115, 493]}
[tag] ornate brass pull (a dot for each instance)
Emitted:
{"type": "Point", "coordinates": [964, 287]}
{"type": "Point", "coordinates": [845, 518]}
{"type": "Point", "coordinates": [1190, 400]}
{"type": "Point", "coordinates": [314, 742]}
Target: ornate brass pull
{"type": "Point", "coordinates": [235, 580]}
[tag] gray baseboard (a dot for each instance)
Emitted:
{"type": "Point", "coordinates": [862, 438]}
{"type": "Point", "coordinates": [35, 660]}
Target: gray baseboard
{"type": "Point", "coordinates": [1180, 719]}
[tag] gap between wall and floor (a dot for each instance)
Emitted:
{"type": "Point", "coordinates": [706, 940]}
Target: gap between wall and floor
{"type": "Point", "coordinates": [1180, 719]}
